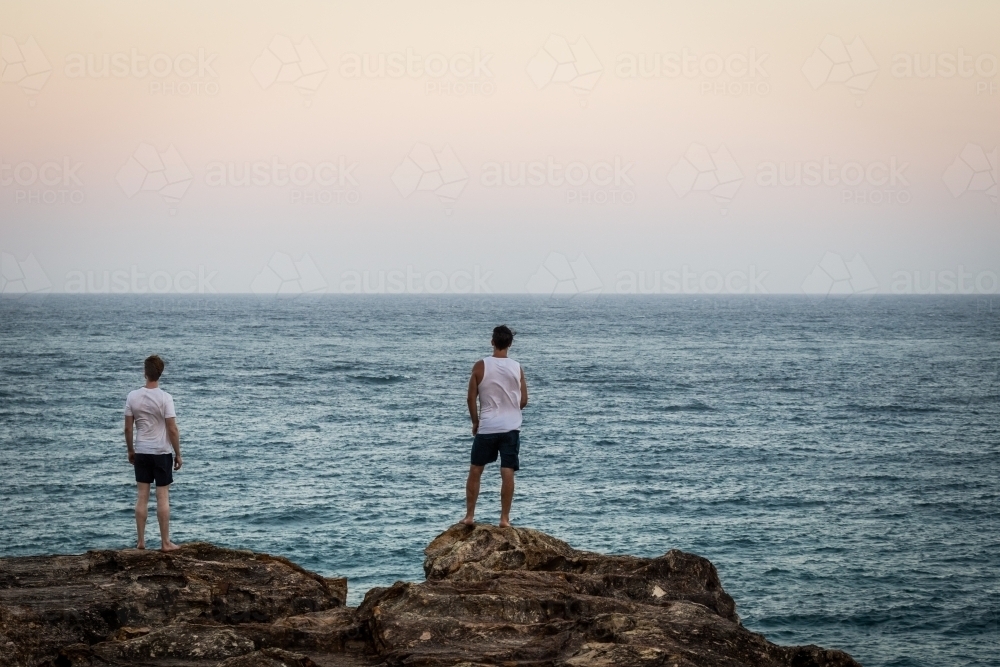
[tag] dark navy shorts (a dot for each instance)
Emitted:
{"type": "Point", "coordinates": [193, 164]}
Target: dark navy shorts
{"type": "Point", "coordinates": [487, 446]}
{"type": "Point", "coordinates": [158, 467]}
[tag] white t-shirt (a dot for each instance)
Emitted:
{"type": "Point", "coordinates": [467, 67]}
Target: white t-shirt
{"type": "Point", "coordinates": [500, 396]}
{"type": "Point", "coordinates": [151, 408]}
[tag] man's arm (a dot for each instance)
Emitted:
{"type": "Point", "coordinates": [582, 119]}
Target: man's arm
{"type": "Point", "coordinates": [524, 391]}
{"type": "Point", "coordinates": [175, 441]}
{"type": "Point", "coordinates": [129, 423]}
{"type": "Point", "coordinates": [477, 376]}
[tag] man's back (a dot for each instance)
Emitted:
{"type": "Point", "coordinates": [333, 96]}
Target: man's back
{"type": "Point", "coordinates": [500, 396]}
{"type": "Point", "coordinates": [150, 408]}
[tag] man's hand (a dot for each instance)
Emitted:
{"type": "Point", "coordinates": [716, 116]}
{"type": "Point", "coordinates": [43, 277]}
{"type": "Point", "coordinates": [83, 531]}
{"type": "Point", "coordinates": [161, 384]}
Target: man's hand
{"type": "Point", "coordinates": [174, 435]}
{"type": "Point", "coordinates": [475, 428]}
{"type": "Point", "coordinates": [131, 457]}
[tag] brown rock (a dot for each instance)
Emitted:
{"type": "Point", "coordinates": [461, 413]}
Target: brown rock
{"type": "Point", "coordinates": [493, 596]}
{"type": "Point", "coordinates": [269, 657]}
{"type": "Point", "coordinates": [462, 553]}
{"type": "Point", "coordinates": [516, 596]}
{"type": "Point", "coordinates": [50, 602]}
{"type": "Point", "coordinates": [334, 630]}
{"type": "Point", "coordinates": [178, 640]}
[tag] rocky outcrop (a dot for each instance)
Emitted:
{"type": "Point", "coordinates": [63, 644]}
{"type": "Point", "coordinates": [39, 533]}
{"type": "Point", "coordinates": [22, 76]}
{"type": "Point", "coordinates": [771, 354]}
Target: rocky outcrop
{"type": "Point", "coordinates": [493, 596]}
{"type": "Point", "coordinates": [128, 606]}
{"type": "Point", "coordinates": [517, 596]}
{"type": "Point", "coordinates": [480, 555]}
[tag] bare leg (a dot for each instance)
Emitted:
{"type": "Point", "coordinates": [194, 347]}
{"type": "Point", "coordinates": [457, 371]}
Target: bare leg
{"type": "Point", "coordinates": [506, 495]}
{"type": "Point", "coordinates": [472, 493]}
{"type": "Point", "coordinates": [163, 517]}
{"type": "Point", "coordinates": [141, 512]}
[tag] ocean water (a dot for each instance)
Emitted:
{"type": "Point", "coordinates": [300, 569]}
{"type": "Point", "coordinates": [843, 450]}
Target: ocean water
{"type": "Point", "coordinates": [836, 460]}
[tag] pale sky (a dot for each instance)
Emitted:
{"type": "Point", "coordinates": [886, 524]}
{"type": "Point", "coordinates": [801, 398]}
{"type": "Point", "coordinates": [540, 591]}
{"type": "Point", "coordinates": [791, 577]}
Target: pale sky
{"type": "Point", "coordinates": [664, 146]}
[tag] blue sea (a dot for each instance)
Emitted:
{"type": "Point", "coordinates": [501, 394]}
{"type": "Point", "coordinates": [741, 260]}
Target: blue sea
{"type": "Point", "coordinates": [837, 460]}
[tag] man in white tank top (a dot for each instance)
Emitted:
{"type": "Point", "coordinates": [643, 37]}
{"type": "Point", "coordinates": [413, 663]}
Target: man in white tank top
{"type": "Point", "coordinates": [498, 382]}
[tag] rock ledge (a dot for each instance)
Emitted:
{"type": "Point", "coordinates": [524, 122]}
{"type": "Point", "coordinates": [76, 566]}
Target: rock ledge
{"type": "Point", "coordinates": [493, 596]}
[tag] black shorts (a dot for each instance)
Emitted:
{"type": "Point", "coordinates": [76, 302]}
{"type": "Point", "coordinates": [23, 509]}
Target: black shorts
{"type": "Point", "coordinates": [487, 446]}
{"type": "Point", "coordinates": [158, 467]}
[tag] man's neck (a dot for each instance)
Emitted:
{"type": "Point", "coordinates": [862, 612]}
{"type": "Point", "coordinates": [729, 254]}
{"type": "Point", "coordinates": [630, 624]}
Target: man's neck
{"type": "Point", "coordinates": [502, 354]}
{"type": "Point", "coordinates": [154, 384]}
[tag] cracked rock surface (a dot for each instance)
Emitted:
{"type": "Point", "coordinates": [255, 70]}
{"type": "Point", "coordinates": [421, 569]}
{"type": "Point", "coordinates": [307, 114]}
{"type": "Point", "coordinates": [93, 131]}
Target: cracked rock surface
{"type": "Point", "coordinates": [493, 596]}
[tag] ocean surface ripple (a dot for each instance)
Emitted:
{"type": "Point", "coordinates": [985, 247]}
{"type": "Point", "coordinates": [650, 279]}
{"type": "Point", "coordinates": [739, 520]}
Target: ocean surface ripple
{"type": "Point", "coordinates": [836, 460]}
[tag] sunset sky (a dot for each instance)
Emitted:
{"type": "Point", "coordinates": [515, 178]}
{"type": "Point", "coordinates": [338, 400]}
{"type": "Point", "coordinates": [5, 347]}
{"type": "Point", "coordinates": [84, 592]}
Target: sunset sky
{"type": "Point", "coordinates": [381, 137]}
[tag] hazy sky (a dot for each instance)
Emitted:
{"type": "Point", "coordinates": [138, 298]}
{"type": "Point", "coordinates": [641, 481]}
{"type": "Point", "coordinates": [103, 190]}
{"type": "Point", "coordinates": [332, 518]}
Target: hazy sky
{"type": "Point", "coordinates": [504, 147]}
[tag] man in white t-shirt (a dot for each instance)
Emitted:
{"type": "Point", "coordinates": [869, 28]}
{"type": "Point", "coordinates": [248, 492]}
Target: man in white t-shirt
{"type": "Point", "coordinates": [498, 382]}
{"type": "Point", "coordinates": [156, 451]}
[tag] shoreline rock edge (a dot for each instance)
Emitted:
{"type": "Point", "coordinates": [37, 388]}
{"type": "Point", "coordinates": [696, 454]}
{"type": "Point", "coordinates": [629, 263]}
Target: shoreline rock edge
{"type": "Point", "coordinates": [492, 596]}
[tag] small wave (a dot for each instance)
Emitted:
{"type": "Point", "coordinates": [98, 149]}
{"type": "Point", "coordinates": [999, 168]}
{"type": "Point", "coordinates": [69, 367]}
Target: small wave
{"type": "Point", "coordinates": [389, 378]}
{"type": "Point", "coordinates": [337, 366]}
{"type": "Point", "coordinates": [894, 408]}
{"type": "Point", "coordinates": [695, 406]}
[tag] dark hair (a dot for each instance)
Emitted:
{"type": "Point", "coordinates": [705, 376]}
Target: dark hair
{"type": "Point", "coordinates": [153, 368]}
{"type": "Point", "coordinates": [503, 337]}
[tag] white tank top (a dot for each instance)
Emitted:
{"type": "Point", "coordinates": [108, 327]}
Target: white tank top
{"type": "Point", "coordinates": [500, 396]}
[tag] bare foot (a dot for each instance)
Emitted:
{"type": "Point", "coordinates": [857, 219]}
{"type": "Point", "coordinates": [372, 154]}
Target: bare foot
{"type": "Point", "coordinates": [169, 546]}
{"type": "Point", "coordinates": [140, 545]}
{"type": "Point", "coordinates": [467, 521]}
{"type": "Point", "coordinates": [504, 523]}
